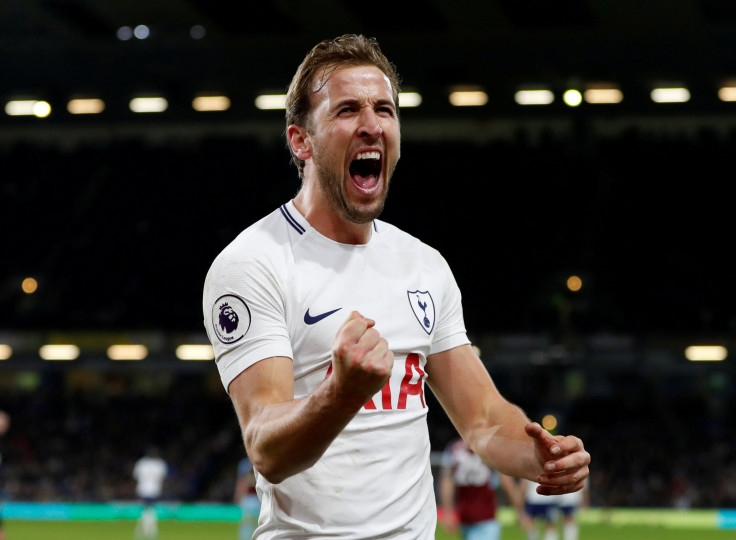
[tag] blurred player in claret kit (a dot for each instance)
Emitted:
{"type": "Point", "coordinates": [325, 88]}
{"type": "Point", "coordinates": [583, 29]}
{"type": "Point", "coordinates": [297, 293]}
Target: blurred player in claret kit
{"type": "Point", "coordinates": [327, 322]}
{"type": "Point", "coordinates": [246, 497]}
{"type": "Point", "coordinates": [4, 427]}
{"type": "Point", "coordinates": [468, 490]}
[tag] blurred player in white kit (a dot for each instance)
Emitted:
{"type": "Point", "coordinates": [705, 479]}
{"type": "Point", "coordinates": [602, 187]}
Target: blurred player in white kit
{"type": "Point", "coordinates": [569, 504]}
{"type": "Point", "coordinates": [468, 490]}
{"type": "Point", "coordinates": [539, 512]}
{"type": "Point", "coordinates": [149, 472]}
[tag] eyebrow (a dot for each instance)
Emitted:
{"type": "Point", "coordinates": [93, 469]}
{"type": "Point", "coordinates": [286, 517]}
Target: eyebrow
{"type": "Point", "coordinates": [353, 101]}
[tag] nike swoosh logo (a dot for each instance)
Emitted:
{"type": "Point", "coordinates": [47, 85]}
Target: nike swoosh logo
{"type": "Point", "coordinates": [309, 319]}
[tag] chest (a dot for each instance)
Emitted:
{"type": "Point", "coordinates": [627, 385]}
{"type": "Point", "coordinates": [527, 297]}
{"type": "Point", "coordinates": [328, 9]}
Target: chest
{"type": "Point", "coordinates": [401, 294]}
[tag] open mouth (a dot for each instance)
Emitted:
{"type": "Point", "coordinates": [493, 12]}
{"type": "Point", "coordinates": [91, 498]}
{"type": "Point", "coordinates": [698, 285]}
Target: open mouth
{"type": "Point", "coordinates": [365, 169]}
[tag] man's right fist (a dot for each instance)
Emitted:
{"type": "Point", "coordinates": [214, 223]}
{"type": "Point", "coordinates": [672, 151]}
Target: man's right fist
{"type": "Point", "coordinates": [361, 361]}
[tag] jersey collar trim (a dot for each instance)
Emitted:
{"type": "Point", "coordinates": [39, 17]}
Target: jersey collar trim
{"type": "Point", "coordinates": [294, 218]}
{"type": "Point", "coordinates": [290, 217]}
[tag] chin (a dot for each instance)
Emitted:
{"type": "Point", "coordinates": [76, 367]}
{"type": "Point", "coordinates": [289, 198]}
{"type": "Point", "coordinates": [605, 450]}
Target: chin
{"type": "Point", "coordinates": [363, 213]}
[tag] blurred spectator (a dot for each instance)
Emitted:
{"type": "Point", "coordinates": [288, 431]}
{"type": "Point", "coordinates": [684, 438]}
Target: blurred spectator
{"type": "Point", "coordinates": [72, 445]}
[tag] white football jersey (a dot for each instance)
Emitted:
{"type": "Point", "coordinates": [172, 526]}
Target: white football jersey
{"type": "Point", "coordinates": [283, 289]}
{"type": "Point", "coordinates": [532, 497]}
{"type": "Point", "coordinates": [149, 473]}
{"type": "Point", "coordinates": [468, 469]}
{"type": "Point", "coordinates": [573, 499]}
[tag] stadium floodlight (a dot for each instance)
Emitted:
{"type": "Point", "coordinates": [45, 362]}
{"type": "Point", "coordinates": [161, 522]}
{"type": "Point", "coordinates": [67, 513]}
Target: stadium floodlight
{"type": "Point", "coordinates": [124, 33]}
{"type": "Point", "coordinates": [197, 31]}
{"type": "Point", "coordinates": [59, 352]}
{"type": "Point", "coordinates": [29, 285]}
{"type": "Point", "coordinates": [195, 352]}
{"type": "Point", "coordinates": [85, 106]}
{"type": "Point", "coordinates": [153, 104]}
{"type": "Point", "coordinates": [549, 422]}
{"type": "Point", "coordinates": [28, 107]}
{"type": "Point", "coordinates": [670, 95]}
{"type": "Point", "coordinates": [468, 97]}
{"type": "Point", "coordinates": [572, 98]}
{"type": "Point", "coordinates": [727, 93]}
{"type": "Point", "coordinates": [410, 99]}
{"type": "Point", "coordinates": [127, 352]}
{"type": "Point", "coordinates": [211, 103]}
{"type": "Point", "coordinates": [142, 31]}
{"type": "Point", "coordinates": [269, 102]}
{"type": "Point", "coordinates": [534, 97]}
{"type": "Point", "coordinates": [706, 353]}
{"type": "Point", "coordinates": [600, 95]}
{"type": "Point", "coordinates": [574, 283]}
{"type": "Point", "coordinates": [6, 351]}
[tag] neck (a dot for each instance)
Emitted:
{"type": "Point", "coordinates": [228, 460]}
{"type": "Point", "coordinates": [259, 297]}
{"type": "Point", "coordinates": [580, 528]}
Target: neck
{"type": "Point", "coordinates": [327, 221]}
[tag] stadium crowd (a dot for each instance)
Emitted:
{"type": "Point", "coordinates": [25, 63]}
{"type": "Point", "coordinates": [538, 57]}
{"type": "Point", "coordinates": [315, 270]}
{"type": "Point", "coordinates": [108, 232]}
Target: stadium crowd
{"type": "Point", "coordinates": [129, 229]}
{"type": "Point", "coordinates": [652, 448]}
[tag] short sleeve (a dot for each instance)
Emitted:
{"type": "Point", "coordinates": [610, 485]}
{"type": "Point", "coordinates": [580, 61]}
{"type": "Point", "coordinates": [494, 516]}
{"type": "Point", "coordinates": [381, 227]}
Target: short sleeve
{"type": "Point", "coordinates": [244, 314]}
{"type": "Point", "coordinates": [450, 331]}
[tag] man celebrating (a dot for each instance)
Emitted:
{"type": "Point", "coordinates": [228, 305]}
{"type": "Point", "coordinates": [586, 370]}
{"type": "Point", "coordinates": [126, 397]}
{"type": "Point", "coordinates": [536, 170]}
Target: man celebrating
{"type": "Point", "coordinates": [335, 322]}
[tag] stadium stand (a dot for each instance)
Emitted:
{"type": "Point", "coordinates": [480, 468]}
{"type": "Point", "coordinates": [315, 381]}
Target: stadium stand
{"type": "Point", "coordinates": [120, 234]}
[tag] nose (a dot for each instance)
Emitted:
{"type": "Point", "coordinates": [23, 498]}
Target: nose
{"type": "Point", "coordinates": [370, 125]}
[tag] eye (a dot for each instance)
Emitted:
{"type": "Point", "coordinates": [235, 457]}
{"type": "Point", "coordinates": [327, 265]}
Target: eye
{"type": "Point", "coordinates": [389, 111]}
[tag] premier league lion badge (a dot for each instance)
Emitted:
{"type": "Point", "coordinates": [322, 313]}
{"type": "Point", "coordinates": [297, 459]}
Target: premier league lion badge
{"type": "Point", "coordinates": [230, 318]}
{"type": "Point", "coordinates": [423, 306]}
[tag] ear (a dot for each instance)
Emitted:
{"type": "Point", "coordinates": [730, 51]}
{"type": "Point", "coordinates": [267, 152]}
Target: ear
{"type": "Point", "coordinates": [299, 141]}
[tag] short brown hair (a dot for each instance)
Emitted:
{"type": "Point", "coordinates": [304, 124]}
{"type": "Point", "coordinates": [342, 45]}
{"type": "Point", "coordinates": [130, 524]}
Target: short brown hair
{"type": "Point", "coordinates": [323, 60]}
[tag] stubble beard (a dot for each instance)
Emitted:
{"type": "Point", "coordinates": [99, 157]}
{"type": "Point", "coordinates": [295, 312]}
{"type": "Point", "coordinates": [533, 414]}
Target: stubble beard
{"type": "Point", "coordinates": [331, 184]}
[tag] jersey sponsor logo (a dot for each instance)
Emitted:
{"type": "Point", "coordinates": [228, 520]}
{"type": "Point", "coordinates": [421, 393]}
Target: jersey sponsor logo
{"type": "Point", "coordinates": [412, 384]}
{"type": "Point", "coordinates": [311, 319]}
{"type": "Point", "coordinates": [230, 318]}
{"type": "Point", "coordinates": [423, 306]}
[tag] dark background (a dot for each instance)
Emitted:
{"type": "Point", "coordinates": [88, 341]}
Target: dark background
{"type": "Point", "coordinates": [119, 216]}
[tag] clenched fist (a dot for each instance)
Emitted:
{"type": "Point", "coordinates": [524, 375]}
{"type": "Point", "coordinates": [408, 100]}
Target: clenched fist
{"type": "Point", "coordinates": [361, 361]}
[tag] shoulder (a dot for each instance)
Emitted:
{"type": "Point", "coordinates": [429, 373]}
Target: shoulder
{"type": "Point", "coordinates": [263, 246]}
{"type": "Point", "coordinates": [264, 236]}
{"type": "Point", "coordinates": [402, 241]}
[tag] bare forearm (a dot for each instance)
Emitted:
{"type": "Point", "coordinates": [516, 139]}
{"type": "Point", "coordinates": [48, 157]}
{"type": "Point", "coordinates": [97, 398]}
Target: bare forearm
{"type": "Point", "coordinates": [498, 431]}
{"type": "Point", "coordinates": [286, 438]}
{"type": "Point", "coordinates": [504, 445]}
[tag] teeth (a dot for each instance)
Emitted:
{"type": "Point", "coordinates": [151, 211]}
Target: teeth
{"type": "Point", "coordinates": [368, 155]}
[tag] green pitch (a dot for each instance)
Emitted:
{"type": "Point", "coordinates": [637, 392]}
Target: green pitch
{"type": "Point", "coordinates": [116, 530]}
{"type": "Point", "coordinates": [178, 530]}
{"type": "Point", "coordinates": [612, 532]}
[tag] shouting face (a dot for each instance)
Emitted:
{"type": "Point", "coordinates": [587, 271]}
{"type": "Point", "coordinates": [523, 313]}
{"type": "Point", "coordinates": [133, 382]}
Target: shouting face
{"type": "Point", "coordinates": [354, 138]}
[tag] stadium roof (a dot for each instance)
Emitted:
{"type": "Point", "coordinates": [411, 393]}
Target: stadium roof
{"type": "Point", "coordinates": [85, 216]}
{"type": "Point", "coordinates": [56, 49]}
